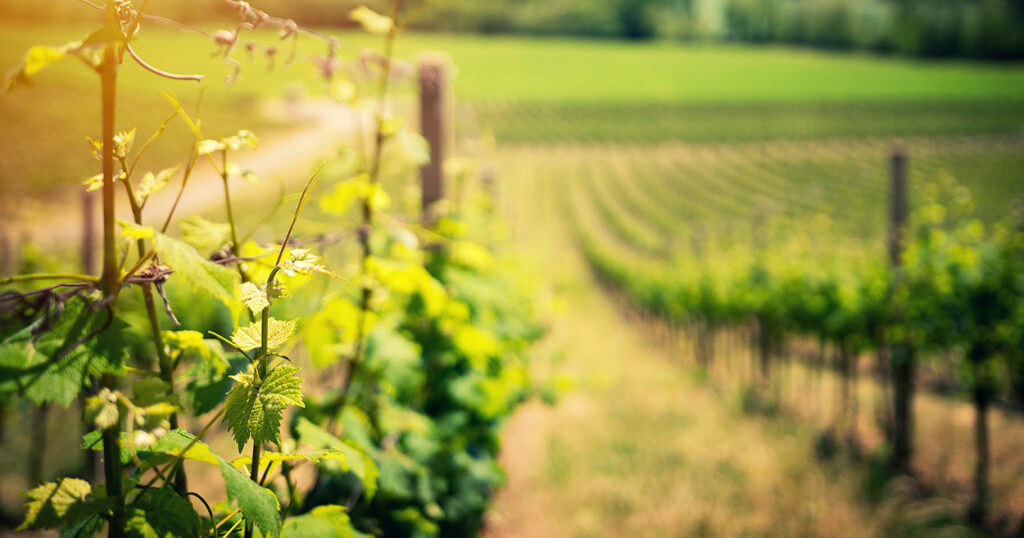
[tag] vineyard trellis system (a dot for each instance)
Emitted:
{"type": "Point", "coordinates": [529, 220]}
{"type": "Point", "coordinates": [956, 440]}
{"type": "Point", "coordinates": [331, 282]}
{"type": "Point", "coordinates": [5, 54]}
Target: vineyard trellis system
{"type": "Point", "coordinates": [948, 286]}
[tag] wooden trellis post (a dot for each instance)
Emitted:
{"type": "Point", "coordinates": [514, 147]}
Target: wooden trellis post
{"type": "Point", "coordinates": [88, 233]}
{"type": "Point", "coordinates": [902, 355]}
{"type": "Point", "coordinates": [433, 75]}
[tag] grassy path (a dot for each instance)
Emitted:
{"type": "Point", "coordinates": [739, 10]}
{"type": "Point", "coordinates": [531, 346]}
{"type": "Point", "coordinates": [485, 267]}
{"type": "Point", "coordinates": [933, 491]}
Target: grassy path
{"type": "Point", "coordinates": [641, 446]}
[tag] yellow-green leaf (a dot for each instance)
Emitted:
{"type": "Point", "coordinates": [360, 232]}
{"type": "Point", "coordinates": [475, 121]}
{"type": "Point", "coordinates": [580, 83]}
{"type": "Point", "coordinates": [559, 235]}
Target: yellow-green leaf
{"type": "Point", "coordinates": [152, 183]}
{"type": "Point", "coordinates": [133, 231]}
{"type": "Point", "coordinates": [248, 338]}
{"type": "Point", "coordinates": [253, 297]}
{"type": "Point", "coordinates": [58, 503]}
{"type": "Point", "coordinates": [372, 22]}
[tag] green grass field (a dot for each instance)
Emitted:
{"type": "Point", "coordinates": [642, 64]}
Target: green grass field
{"type": "Point", "coordinates": [539, 90]}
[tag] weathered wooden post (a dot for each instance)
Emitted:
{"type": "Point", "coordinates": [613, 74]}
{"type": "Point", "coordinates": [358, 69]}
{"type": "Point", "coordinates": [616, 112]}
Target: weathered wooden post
{"type": "Point", "coordinates": [88, 233]}
{"type": "Point", "coordinates": [902, 355]}
{"type": "Point", "coordinates": [433, 116]}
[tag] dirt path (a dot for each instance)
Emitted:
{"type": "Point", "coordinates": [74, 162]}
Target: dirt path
{"type": "Point", "coordinates": [642, 446]}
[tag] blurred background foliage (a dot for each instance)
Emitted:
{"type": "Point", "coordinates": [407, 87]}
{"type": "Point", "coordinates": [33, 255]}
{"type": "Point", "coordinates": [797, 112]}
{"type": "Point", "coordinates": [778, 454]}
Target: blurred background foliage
{"type": "Point", "coordinates": [989, 29]}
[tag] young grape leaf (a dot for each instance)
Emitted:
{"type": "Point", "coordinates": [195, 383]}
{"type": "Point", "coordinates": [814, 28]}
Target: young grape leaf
{"type": "Point", "coordinates": [123, 142]}
{"type": "Point", "coordinates": [376, 196]}
{"type": "Point", "coordinates": [95, 183]}
{"type": "Point", "coordinates": [255, 410]}
{"type": "Point", "coordinates": [206, 147]}
{"type": "Point", "coordinates": [204, 235]}
{"type": "Point", "coordinates": [234, 170]}
{"type": "Point", "coordinates": [204, 275]}
{"type": "Point", "coordinates": [248, 338]}
{"type": "Point", "coordinates": [188, 343]}
{"type": "Point", "coordinates": [243, 138]}
{"type": "Point", "coordinates": [160, 513]}
{"type": "Point", "coordinates": [338, 202]}
{"type": "Point", "coordinates": [257, 503]}
{"type": "Point", "coordinates": [151, 183]}
{"type": "Point", "coordinates": [64, 502]}
{"type": "Point", "coordinates": [332, 331]}
{"type": "Point", "coordinates": [151, 390]}
{"type": "Point", "coordinates": [130, 230]}
{"type": "Point", "coordinates": [254, 298]}
{"type": "Point", "coordinates": [411, 147]}
{"type": "Point", "coordinates": [300, 261]}
{"type": "Point", "coordinates": [36, 59]}
{"type": "Point", "coordinates": [372, 22]}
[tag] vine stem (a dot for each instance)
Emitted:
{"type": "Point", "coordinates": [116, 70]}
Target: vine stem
{"type": "Point", "coordinates": [235, 246]}
{"type": "Point", "coordinates": [49, 276]}
{"type": "Point", "coordinates": [254, 471]}
{"type": "Point", "coordinates": [163, 361]}
{"type": "Point", "coordinates": [110, 277]}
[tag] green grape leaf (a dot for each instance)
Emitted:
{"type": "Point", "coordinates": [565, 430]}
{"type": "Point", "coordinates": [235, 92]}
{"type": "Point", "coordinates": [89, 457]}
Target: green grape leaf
{"type": "Point", "coordinates": [283, 387]}
{"type": "Point", "coordinates": [151, 183]}
{"type": "Point", "coordinates": [86, 528]}
{"type": "Point", "coordinates": [164, 450]}
{"type": "Point", "coordinates": [254, 411]}
{"type": "Point", "coordinates": [354, 460]}
{"type": "Point", "coordinates": [160, 513]}
{"type": "Point", "coordinates": [123, 143]}
{"type": "Point", "coordinates": [49, 366]}
{"type": "Point", "coordinates": [241, 139]}
{"type": "Point", "coordinates": [257, 503]}
{"type": "Point", "coordinates": [372, 22]}
{"type": "Point", "coordinates": [253, 297]}
{"type": "Point", "coordinates": [329, 521]}
{"type": "Point", "coordinates": [204, 235]}
{"type": "Point", "coordinates": [331, 333]}
{"type": "Point", "coordinates": [204, 275]}
{"type": "Point", "coordinates": [64, 502]}
{"type": "Point", "coordinates": [248, 338]}
{"type": "Point", "coordinates": [472, 256]}
{"type": "Point", "coordinates": [421, 526]}
{"type": "Point", "coordinates": [211, 380]}
{"type": "Point", "coordinates": [95, 183]}
{"type": "Point", "coordinates": [346, 192]}
{"type": "Point", "coordinates": [35, 60]}
{"type": "Point", "coordinates": [206, 147]}
{"type": "Point", "coordinates": [234, 170]}
{"type": "Point", "coordinates": [357, 188]}
{"type": "Point", "coordinates": [376, 196]}
{"type": "Point", "coordinates": [188, 343]}
{"type": "Point", "coordinates": [130, 230]}
{"type": "Point", "coordinates": [411, 147]}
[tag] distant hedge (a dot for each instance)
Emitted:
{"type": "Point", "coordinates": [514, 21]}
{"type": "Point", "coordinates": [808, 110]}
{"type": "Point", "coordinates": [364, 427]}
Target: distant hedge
{"type": "Point", "coordinates": [992, 29]}
{"type": "Point", "coordinates": [937, 28]}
